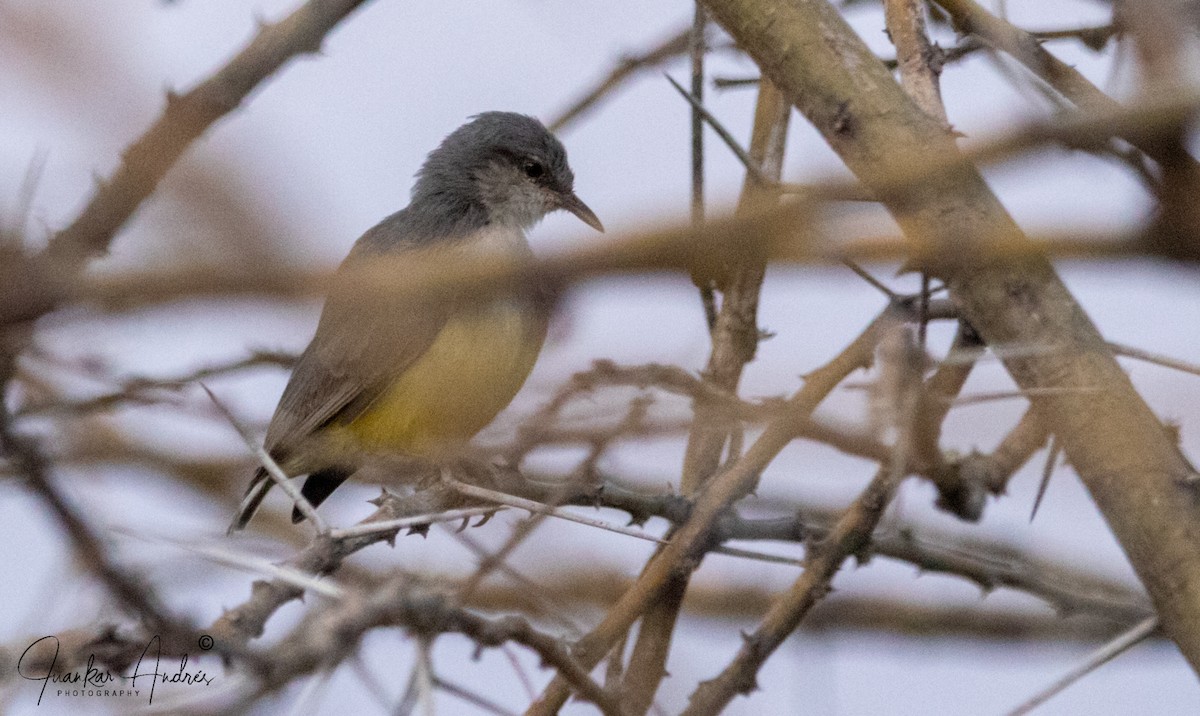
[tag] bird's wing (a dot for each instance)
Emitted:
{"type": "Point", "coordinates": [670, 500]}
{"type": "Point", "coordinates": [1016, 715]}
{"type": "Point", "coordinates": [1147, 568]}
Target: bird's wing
{"type": "Point", "coordinates": [363, 342]}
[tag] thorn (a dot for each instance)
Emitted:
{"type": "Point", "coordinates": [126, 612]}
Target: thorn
{"type": "Point", "coordinates": [1047, 473]}
{"type": "Point", "coordinates": [843, 120]}
{"type": "Point", "coordinates": [422, 530]}
{"type": "Point", "coordinates": [466, 522]}
{"type": "Point", "coordinates": [384, 496]}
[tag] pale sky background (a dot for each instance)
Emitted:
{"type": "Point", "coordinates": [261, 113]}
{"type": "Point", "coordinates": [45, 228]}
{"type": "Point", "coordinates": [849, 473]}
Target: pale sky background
{"type": "Point", "coordinates": [329, 146]}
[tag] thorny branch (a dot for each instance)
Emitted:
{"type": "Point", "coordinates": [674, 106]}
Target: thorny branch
{"type": "Point", "coordinates": [850, 534]}
{"type": "Point", "coordinates": [332, 632]}
{"type": "Point", "coordinates": [36, 286]}
{"type": "Point", "coordinates": [735, 337]}
{"type": "Point", "coordinates": [707, 516]}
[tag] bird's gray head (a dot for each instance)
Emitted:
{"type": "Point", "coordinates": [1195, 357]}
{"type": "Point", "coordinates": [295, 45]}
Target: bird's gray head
{"type": "Point", "coordinates": [503, 166]}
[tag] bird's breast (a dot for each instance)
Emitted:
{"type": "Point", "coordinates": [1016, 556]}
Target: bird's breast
{"type": "Point", "coordinates": [475, 365]}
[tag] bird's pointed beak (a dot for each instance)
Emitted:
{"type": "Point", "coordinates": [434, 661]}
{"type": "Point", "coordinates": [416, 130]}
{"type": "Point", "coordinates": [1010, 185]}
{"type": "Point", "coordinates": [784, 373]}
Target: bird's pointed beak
{"type": "Point", "coordinates": [575, 205]}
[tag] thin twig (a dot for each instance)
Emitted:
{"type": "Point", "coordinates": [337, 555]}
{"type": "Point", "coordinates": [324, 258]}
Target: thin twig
{"type": "Point", "coordinates": [969, 16]}
{"type": "Point", "coordinates": [472, 697]}
{"type": "Point", "coordinates": [538, 508]}
{"type": "Point", "coordinates": [1155, 358]}
{"type": "Point", "coordinates": [625, 68]}
{"type": "Point", "coordinates": [268, 463]}
{"type": "Point", "coordinates": [385, 526]}
{"type": "Point", "coordinates": [721, 131]}
{"type": "Point", "coordinates": [849, 535]}
{"type": "Point", "coordinates": [142, 390]}
{"type": "Point", "coordinates": [874, 282]}
{"type": "Point", "coordinates": [249, 562]}
{"type": "Point", "coordinates": [697, 47]}
{"type": "Point", "coordinates": [996, 395]}
{"type": "Point", "coordinates": [1126, 641]}
{"type": "Point", "coordinates": [26, 456]}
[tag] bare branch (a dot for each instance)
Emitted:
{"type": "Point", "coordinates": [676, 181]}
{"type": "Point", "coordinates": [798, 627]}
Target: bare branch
{"type": "Point", "coordinates": [404, 601]}
{"type": "Point", "coordinates": [624, 69]}
{"type": "Point", "coordinates": [849, 535]}
{"type": "Point", "coordinates": [856, 105]}
{"type": "Point", "coordinates": [1123, 643]}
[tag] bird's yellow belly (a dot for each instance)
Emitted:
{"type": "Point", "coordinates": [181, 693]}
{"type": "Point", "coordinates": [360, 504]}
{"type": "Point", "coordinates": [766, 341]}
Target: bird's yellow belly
{"type": "Point", "coordinates": [470, 373]}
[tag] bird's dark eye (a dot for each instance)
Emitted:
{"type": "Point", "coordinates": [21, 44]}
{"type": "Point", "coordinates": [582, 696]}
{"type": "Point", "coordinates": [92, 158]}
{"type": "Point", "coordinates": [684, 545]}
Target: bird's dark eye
{"type": "Point", "coordinates": [534, 170]}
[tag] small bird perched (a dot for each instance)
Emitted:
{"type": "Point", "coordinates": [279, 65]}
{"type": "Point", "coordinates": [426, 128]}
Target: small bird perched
{"type": "Point", "coordinates": [420, 378]}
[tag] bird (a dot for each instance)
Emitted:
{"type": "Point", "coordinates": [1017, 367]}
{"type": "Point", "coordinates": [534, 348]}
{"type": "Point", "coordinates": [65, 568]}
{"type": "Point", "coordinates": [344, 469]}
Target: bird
{"type": "Point", "coordinates": [421, 377]}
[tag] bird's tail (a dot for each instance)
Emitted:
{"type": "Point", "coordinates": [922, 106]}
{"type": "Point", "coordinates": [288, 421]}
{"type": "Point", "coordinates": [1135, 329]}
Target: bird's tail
{"type": "Point", "coordinates": [260, 484]}
{"type": "Point", "coordinates": [318, 486]}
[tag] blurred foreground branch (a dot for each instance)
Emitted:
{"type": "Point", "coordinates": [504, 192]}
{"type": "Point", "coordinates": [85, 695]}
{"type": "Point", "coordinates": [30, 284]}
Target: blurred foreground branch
{"type": "Point", "coordinates": [1114, 440]}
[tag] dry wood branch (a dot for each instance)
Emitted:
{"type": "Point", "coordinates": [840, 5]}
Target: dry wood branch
{"type": "Point", "coordinates": [321, 556]}
{"type": "Point", "coordinates": [849, 535]}
{"type": "Point", "coordinates": [1067, 590]}
{"type": "Point", "coordinates": [1155, 358]}
{"type": "Point", "coordinates": [995, 470]}
{"type": "Point", "coordinates": [969, 16]}
{"type": "Point", "coordinates": [187, 117]}
{"type": "Point", "coordinates": [138, 391]}
{"type": "Point", "coordinates": [328, 634]}
{"type": "Point", "coordinates": [735, 337]}
{"type": "Point", "coordinates": [275, 472]}
{"type": "Point", "coordinates": [987, 565]}
{"type": "Point", "coordinates": [697, 49]}
{"type": "Point", "coordinates": [625, 68]}
{"type": "Point", "coordinates": [1095, 37]}
{"type": "Point", "coordinates": [33, 287]}
{"type": "Point", "coordinates": [1136, 474]}
{"type": "Point", "coordinates": [919, 61]}
{"type": "Point", "coordinates": [736, 333]}
{"type": "Point", "coordinates": [324, 555]}
{"type": "Point", "coordinates": [538, 508]}
{"type": "Point", "coordinates": [27, 458]}
{"type": "Point", "coordinates": [117, 646]}
{"type": "Point", "coordinates": [839, 612]}
{"type": "Point", "coordinates": [964, 498]}
{"type": "Point", "coordinates": [690, 542]}
{"type": "Point", "coordinates": [787, 232]}
{"type": "Point", "coordinates": [1124, 642]}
